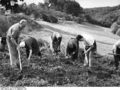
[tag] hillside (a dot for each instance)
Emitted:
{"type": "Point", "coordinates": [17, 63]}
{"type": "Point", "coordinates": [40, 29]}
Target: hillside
{"type": "Point", "coordinates": [51, 71]}
{"type": "Point", "coordinates": [104, 15]}
{"type": "Point", "coordinates": [101, 34]}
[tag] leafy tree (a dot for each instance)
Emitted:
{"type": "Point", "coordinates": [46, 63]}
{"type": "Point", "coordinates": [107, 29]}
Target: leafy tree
{"type": "Point", "coordinates": [32, 8]}
{"type": "Point", "coordinates": [23, 8]}
{"type": "Point", "coordinates": [59, 4]}
{"type": "Point", "coordinates": [53, 1]}
{"type": "Point", "coordinates": [72, 7]}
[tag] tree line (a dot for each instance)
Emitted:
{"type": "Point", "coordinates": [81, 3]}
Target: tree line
{"type": "Point", "coordinates": [68, 6]}
{"type": "Point", "coordinates": [68, 9]}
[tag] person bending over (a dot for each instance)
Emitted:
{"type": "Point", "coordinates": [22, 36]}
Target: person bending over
{"type": "Point", "coordinates": [31, 46]}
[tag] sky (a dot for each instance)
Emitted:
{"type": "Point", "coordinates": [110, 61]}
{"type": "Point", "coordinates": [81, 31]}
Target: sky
{"type": "Point", "coordinates": [86, 3]}
{"type": "Point", "coordinates": [98, 3]}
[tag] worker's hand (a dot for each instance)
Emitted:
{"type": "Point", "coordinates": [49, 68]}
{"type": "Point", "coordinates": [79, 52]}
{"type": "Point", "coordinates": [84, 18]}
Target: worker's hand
{"type": "Point", "coordinates": [11, 38]}
{"type": "Point", "coordinates": [28, 59]}
{"type": "Point", "coordinates": [114, 53]}
{"type": "Point", "coordinates": [85, 52]}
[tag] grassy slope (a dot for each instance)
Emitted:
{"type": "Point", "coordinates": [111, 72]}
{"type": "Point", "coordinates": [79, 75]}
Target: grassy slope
{"type": "Point", "coordinates": [104, 15]}
{"type": "Point", "coordinates": [102, 35]}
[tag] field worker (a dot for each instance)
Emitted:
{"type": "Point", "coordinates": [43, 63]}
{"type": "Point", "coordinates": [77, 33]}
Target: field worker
{"type": "Point", "coordinates": [116, 52]}
{"type": "Point", "coordinates": [31, 46]}
{"type": "Point", "coordinates": [12, 42]}
{"type": "Point", "coordinates": [89, 48]}
{"type": "Point", "coordinates": [72, 49]}
{"type": "Point", "coordinates": [56, 42]}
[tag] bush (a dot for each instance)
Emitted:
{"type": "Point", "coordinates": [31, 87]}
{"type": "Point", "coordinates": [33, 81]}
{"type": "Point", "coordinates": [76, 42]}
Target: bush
{"type": "Point", "coordinates": [49, 18]}
{"type": "Point", "coordinates": [4, 24]}
{"type": "Point", "coordinates": [53, 19]}
{"type": "Point", "coordinates": [68, 18]}
{"type": "Point", "coordinates": [93, 21]}
{"type": "Point", "coordinates": [16, 18]}
{"type": "Point", "coordinates": [114, 27]}
{"type": "Point", "coordinates": [45, 17]}
{"type": "Point", "coordinates": [78, 19]}
{"type": "Point", "coordinates": [58, 13]}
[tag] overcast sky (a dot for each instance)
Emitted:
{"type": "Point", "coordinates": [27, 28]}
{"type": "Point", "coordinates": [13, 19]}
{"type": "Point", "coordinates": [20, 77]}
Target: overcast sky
{"type": "Point", "coordinates": [98, 3]}
{"type": "Point", "coordinates": [87, 3]}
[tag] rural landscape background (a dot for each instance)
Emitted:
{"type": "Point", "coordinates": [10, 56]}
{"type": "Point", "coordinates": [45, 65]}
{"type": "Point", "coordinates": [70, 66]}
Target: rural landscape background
{"type": "Point", "coordinates": [68, 18]}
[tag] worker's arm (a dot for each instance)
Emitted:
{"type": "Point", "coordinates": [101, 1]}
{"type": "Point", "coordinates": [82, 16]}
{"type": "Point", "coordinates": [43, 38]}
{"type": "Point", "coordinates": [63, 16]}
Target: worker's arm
{"type": "Point", "coordinates": [18, 48]}
{"type": "Point", "coordinates": [30, 53]}
{"type": "Point", "coordinates": [13, 40]}
{"type": "Point", "coordinates": [114, 49]}
{"type": "Point", "coordinates": [88, 49]}
{"type": "Point", "coordinates": [11, 37]}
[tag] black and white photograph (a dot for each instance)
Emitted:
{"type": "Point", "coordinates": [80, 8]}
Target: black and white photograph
{"type": "Point", "coordinates": [59, 43]}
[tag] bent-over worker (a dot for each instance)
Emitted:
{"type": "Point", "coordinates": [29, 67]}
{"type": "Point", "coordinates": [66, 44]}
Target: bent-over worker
{"type": "Point", "coordinates": [32, 47]}
{"type": "Point", "coordinates": [90, 47]}
{"type": "Point", "coordinates": [116, 52]}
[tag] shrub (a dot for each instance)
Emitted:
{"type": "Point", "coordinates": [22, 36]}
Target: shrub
{"type": "Point", "coordinates": [7, 21]}
{"type": "Point", "coordinates": [114, 27]}
{"type": "Point", "coordinates": [4, 24]}
{"type": "Point", "coordinates": [68, 18]}
{"type": "Point", "coordinates": [45, 17]}
{"type": "Point", "coordinates": [78, 19]}
{"type": "Point", "coordinates": [53, 19]}
{"type": "Point", "coordinates": [49, 18]}
{"type": "Point", "coordinates": [93, 21]}
{"type": "Point", "coordinates": [16, 18]}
